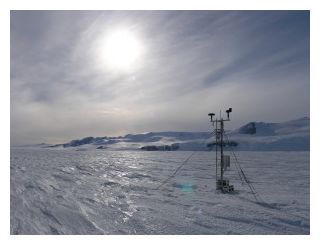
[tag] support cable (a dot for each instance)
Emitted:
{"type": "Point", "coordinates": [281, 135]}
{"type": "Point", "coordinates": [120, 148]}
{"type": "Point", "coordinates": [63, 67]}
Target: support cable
{"type": "Point", "coordinates": [175, 172]}
{"type": "Point", "coordinates": [254, 192]}
{"type": "Point", "coordinates": [256, 195]}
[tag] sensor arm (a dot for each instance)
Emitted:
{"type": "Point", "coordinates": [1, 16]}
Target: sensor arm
{"type": "Point", "coordinates": [211, 115]}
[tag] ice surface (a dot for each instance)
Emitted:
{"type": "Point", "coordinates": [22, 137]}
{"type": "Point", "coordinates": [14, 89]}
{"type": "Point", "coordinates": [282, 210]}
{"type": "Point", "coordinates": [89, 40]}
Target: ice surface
{"type": "Point", "coordinates": [114, 192]}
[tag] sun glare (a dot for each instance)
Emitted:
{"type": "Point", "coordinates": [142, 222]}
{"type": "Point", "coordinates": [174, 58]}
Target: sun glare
{"type": "Point", "coordinates": [121, 50]}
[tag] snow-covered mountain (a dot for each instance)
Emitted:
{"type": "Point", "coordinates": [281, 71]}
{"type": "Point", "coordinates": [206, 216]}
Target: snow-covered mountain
{"type": "Point", "coordinates": [291, 135]}
{"type": "Point", "coordinates": [256, 136]}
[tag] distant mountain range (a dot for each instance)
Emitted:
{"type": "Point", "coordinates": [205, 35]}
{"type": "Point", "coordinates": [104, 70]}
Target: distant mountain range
{"type": "Point", "coordinates": [254, 136]}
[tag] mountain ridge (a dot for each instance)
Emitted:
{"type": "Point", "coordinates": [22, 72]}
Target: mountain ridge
{"type": "Point", "coordinates": [293, 135]}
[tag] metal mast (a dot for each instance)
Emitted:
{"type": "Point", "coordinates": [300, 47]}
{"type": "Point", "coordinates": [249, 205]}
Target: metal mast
{"type": "Point", "coordinates": [221, 183]}
{"type": "Point", "coordinates": [221, 150]}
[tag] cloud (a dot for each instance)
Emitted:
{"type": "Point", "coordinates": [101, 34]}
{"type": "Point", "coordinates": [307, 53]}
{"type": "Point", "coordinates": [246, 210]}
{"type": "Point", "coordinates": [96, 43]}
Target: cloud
{"type": "Point", "coordinates": [194, 62]}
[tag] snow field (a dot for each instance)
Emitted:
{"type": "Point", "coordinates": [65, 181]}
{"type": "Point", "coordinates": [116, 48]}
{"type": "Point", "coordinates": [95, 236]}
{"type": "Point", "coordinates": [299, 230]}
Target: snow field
{"type": "Point", "coordinates": [114, 192]}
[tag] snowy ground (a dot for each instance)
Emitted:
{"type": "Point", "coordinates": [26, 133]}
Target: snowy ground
{"type": "Point", "coordinates": [114, 192]}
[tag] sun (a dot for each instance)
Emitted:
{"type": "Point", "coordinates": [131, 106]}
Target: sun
{"type": "Point", "coordinates": [121, 50]}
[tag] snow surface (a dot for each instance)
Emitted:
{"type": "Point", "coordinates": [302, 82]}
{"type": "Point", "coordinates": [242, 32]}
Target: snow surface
{"type": "Point", "coordinates": [56, 191]}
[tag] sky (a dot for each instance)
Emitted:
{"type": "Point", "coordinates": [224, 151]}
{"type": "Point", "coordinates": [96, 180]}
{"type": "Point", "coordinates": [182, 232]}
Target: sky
{"type": "Point", "coordinates": [110, 73]}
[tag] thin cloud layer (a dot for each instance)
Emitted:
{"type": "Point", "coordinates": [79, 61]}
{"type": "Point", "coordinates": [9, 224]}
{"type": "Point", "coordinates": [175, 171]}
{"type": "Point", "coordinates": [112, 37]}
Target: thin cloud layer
{"type": "Point", "coordinates": [194, 62]}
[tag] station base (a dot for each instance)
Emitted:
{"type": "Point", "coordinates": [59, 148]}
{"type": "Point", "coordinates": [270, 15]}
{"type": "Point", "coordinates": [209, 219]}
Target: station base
{"type": "Point", "coordinates": [224, 186]}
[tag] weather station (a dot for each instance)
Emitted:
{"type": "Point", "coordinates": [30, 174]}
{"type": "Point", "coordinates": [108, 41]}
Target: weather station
{"type": "Point", "coordinates": [223, 162]}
